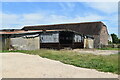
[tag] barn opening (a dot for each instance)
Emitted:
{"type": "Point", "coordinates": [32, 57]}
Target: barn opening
{"type": "Point", "coordinates": [66, 38]}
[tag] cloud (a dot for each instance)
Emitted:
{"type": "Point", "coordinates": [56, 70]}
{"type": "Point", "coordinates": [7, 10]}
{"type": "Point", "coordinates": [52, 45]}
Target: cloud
{"type": "Point", "coordinates": [9, 18]}
{"type": "Point", "coordinates": [113, 30]}
{"type": "Point", "coordinates": [32, 18]}
{"type": "Point", "coordinates": [20, 20]}
{"type": "Point", "coordinates": [106, 7]}
{"type": "Point", "coordinates": [16, 21]}
{"type": "Point", "coordinates": [69, 6]}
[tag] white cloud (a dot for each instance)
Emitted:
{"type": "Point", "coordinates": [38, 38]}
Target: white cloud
{"type": "Point", "coordinates": [32, 16]}
{"type": "Point", "coordinates": [18, 21]}
{"type": "Point", "coordinates": [107, 7]}
{"type": "Point", "coordinates": [90, 17]}
{"type": "Point", "coordinates": [9, 18]}
{"type": "Point", "coordinates": [69, 6]}
{"type": "Point", "coordinates": [112, 23]}
{"type": "Point", "coordinates": [113, 30]}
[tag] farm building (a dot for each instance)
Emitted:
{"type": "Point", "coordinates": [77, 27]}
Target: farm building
{"type": "Point", "coordinates": [97, 30]}
{"type": "Point", "coordinates": [36, 39]}
{"type": "Point", "coordinates": [64, 38]}
{"type": "Point", "coordinates": [57, 36]}
{"type": "Point", "coordinates": [21, 40]}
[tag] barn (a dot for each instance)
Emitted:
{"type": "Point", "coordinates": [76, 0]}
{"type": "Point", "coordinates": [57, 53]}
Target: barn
{"type": "Point", "coordinates": [57, 36]}
{"type": "Point", "coordinates": [98, 30]}
{"type": "Point", "coordinates": [60, 39]}
{"type": "Point", "coordinates": [19, 39]}
{"type": "Point", "coordinates": [36, 39]}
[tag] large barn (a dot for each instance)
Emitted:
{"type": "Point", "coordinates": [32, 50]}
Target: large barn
{"type": "Point", "coordinates": [98, 30]}
{"type": "Point", "coordinates": [57, 36]}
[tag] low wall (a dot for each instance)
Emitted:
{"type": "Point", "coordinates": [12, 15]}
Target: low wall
{"type": "Point", "coordinates": [21, 43]}
{"type": "Point", "coordinates": [88, 43]}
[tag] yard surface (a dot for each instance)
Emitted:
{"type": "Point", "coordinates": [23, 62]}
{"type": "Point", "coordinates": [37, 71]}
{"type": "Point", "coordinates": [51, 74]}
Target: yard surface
{"type": "Point", "coordinates": [105, 63]}
{"type": "Point", "coordinates": [96, 52]}
{"type": "Point", "coordinates": [19, 65]}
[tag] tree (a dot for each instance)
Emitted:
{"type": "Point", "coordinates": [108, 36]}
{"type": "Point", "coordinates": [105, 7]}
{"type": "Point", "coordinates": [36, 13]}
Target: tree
{"type": "Point", "coordinates": [119, 40]}
{"type": "Point", "coordinates": [115, 38]}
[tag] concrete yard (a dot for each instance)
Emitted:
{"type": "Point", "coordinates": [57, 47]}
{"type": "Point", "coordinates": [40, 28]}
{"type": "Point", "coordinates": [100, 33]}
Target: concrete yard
{"type": "Point", "coordinates": [19, 65]}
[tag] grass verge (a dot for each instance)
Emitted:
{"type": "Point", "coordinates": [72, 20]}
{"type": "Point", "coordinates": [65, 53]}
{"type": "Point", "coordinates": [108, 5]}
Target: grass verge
{"type": "Point", "coordinates": [106, 63]}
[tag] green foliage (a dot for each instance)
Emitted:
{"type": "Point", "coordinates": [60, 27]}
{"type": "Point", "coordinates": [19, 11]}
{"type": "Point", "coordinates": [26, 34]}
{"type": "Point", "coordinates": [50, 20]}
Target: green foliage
{"type": "Point", "coordinates": [109, 42]}
{"type": "Point", "coordinates": [115, 38]}
{"type": "Point", "coordinates": [106, 63]}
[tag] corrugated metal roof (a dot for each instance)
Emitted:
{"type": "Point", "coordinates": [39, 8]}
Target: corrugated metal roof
{"type": "Point", "coordinates": [16, 32]}
{"type": "Point", "coordinates": [30, 31]}
{"type": "Point", "coordinates": [87, 28]}
{"type": "Point", "coordinates": [64, 24]}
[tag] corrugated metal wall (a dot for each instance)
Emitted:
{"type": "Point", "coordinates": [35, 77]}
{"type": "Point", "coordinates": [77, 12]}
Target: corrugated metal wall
{"type": "Point", "coordinates": [77, 38]}
{"type": "Point", "coordinates": [49, 38]}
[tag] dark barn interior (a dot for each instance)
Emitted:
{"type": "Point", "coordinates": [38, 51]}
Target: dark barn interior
{"type": "Point", "coordinates": [66, 38]}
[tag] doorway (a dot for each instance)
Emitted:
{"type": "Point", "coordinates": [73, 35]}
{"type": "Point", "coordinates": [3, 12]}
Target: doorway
{"type": "Point", "coordinates": [66, 38]}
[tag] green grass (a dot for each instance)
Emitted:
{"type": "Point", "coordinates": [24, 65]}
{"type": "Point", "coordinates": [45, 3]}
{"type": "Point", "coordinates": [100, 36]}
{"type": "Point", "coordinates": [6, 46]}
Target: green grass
{"type": "Point", "coordinates": [4, 51]}
{"type": "Point", "coordinates": [106, 63]}
{"type": "Point", "coordinates": [108, 49]}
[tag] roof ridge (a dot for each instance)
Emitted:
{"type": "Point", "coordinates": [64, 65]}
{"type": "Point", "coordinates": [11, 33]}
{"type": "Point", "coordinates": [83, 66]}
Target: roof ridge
{"type": "Point", "coordinates": [65, 24]}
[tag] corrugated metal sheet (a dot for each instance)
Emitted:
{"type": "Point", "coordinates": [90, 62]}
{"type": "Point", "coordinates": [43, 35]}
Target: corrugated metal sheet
{"type": "Point", "coordinates": [87, 28]}
{"type": "Point", "coordinates": [19, 32]}
{"type": "Point", "coordinates": [77, 38]}
{"type": "Point", "coordinates": [29, 31]}
{"type": "Point", "coordinates": [49, 38]}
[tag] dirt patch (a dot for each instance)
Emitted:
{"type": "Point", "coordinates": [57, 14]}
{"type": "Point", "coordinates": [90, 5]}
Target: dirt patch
{"type": "Point", "coordinates": [96, 52]}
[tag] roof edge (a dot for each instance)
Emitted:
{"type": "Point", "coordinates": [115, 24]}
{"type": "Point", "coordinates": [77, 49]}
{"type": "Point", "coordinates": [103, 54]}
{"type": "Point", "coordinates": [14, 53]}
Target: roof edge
{"type": "Point", "coordinates": [65, 24]}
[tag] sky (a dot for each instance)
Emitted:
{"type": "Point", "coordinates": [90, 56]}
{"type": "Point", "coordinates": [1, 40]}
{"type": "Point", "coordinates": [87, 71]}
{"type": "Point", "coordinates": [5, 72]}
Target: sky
{"type": "Point", "coordinates": [18, 14]}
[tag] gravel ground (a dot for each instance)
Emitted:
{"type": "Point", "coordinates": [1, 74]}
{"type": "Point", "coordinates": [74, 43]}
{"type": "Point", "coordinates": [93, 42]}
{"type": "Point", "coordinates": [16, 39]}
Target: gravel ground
{"type": "Point", "coordinates": [19, 65]}
{"type": "Point", "coordinates": [96, 52]}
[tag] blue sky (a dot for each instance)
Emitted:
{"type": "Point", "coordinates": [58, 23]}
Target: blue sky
{"type": "Point", "coordinates": [18, 14]}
